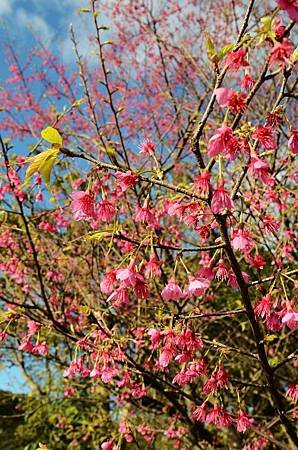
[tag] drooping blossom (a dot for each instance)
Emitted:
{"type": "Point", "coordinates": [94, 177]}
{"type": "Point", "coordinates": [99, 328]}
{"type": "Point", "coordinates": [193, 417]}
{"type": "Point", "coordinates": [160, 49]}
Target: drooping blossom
{"type": "Point", "coordinates": [291, 320]}
{"type": "Point", "coordinates": [197, 286]}
{"type": "Point", "coordinates": [125, 430]}
{"type": "Point", "coordinates": [278, 28]}
{"type": "Point", "coordinates": [188, 340]}
{"type": "Point", "coordinates": [219, 142]}
{"type": "Point", "coordinates": [281, 52]}
{"type": "Point", "coordinates": [107, 445]}
{"type": "Point", "coordinates": [257, 444]}
{"type": "Point", "coordinates": [119, 296]}
{"type": "Point", "coordinates": [108, 373]}
{"type": "Point", "coordinates": [95, 372]}
{"type": "Point", "coordinates": [218, 380]}
{"type": "Point", "coordinates": [291, 6]}
{"type": "Point", "coordinates": [273, 322]}
{"type": "Point", "coordinates": [236, 59]}
{"type": "Point", "coordinates": [247, 82]}
{"type": "Point", "coordinates": [147, 147]}
{"type": "Point", "coordinates": [105, 211]}
{"type": "Point", "coordinates": [221, 201]}
{"type": "Point", "coordinates": [265, 136]}
{"type": "Point", "coordinates": [155, 337]}
{"type": "Point", "coordinates": [260, 168]}
{"type": "Point", "coordinates": [127, 275]}
{"type": "Point", "coordinates": [200, 413]}
{"type": "Point", "coordinates": [144, 213]}
{"type": "Point", "coordinates": [273, 119]}
{"type": "Point", "coordinates": [69, 391]}
{"type": "Point", "coordinates": [257, 261]}
{"type": "Point", "coordinates": [219, 417]}
{"type": "Point", "coordinates": [182, 378]}
{"type": "Point", "coordinates": [270, 224]}
{"type": "Point", "coordinates": [292, 391]}
{"type": "Point", "coordinates": [172, 291]}
{"type": "Point", "coordinates": [232, 281]}
{"type": "Point", "coordinates": [108, 282]}
{"type": "Point", "coordinates": [222, 96]}
{"type": "Point", "coordinates": [39, 197]}
{"type": "Point", "coordinates": [33, 327]}
{"type": "Point", "coordinates": [140, 289]}
{"type": "Point", "coordinates": [152, 268]}
{"type": "Point", "coordinates": [242, 240]}
{"type": "Point", "coordinates": [166, 356]}
{"type": "Point", "coordinates": [125, 180]}
{"type": "Point", "coordinates": [40, 349]}
{"type": "Point", "coordinates": [293, 141]}
{"type": "Point", "coordinates": [83, 205]}
{"type": "Point", "coordinates": [236, 101]}
{"type": "Point", "coordinates": [243, 421]}
{"type": "Point", "coordinates": [221, 271]}
{"type": "Point", "coordinates": [202, 183]}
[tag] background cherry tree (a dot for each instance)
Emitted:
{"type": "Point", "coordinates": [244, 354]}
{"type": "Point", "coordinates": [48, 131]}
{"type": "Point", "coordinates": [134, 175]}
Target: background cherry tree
{"type": "Point", "coordinates": [148, 243]}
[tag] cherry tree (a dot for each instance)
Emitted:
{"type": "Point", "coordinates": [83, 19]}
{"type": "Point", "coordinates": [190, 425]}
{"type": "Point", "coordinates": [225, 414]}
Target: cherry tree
{"type": "Point", "coordinates": [148, 245]}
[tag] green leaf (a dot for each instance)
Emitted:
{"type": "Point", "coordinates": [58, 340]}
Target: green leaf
{"type": "Point", "coordinates": [224, 51]}
{"type": "Point", "coordinates": [51, 135]}
{"type": "Point", "coordinates": [270, 337]}
{"type": "Point", "coordinates": [210, 49]}
{"type": "Point", "coordinates": [43, 164]}
{"type": "Point", "coordinates": [294, 56]}
{"type": "Point", "coordinates": [111, 151]}
{"type": "Point", "coordinates": [98, 235]}
{"type": "Point", "coordinates": [78, 102]}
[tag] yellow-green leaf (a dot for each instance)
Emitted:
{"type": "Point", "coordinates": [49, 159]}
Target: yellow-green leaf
{"type": "Point", "coordinates": [51, 135]}
{"type": "Point", "coordinates": [111, 151]}
{"type": "Point", "coordinates": [98, 235]}
{"type": "Point", "coordinates": [224, 51]}
{"type": "Point", "coordinates": [210, 49]}
{"type": "Point", "coordinates": [294, 56]}
{"type": "Point", "coordinates": [43, 164]}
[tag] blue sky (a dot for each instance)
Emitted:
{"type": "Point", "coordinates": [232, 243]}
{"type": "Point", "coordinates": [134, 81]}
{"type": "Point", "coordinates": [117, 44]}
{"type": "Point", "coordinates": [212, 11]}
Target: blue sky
{"type": "Point", "coordinates": [48, 20]}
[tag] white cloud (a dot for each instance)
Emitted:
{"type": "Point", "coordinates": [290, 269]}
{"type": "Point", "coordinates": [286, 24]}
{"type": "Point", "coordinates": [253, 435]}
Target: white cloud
{"type": "Point", "coordinates": [6, 7]}
{"type": "Point", "coordinates": [83, 27]}
{"type": "Point", "coordinates": [63, 7]}
{"type": "Point", "coordinates": [36, 23]}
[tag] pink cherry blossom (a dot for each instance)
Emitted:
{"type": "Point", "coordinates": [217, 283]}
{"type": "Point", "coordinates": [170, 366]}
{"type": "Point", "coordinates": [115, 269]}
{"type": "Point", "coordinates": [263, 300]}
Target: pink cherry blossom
{"type": "Point", "coordinates": [247, 82]}
{"type": "Point", "coordinates": [291, 320]}
{"type": "Point", "coordinates": [242, 240]}
{"type": "Point", "coordinates": [221, 201]}
{"type": "Point", "coordinates": [222, 96]}
{"type": "Point", "coordinates": [243, 421]}
{"type": "Point", "coordinates": [83, 205]}
{"type": "Point", "coordinates": [105, 211]}
{"type": "Point", "coordinates": [263, 307]}
{"type": "Point", "coordinates": [292, 391]}
{"type": "Point", "coordinates": [125, 180]}
{"type": "Point", "coordinates": [219, 142]}
{"type": "Point", "coordinates": [293, 141]}
{"type": "Point", "coordinates": [264, 134]}
{"type": "Point", "coordinates": [172, 291]}
{"type": "Point", "coordinates": [291, 6]}
{"type": "Point", "coordinates": [155, 337]}
{"type": "Point", "coordinates": [108, 445]}
{"type": "Point", "coordinates": [202, 183]}
{"type": "Point", "coordinates": [147, 147]}
{"type": "Point", "coordinates": [200, 413]}
{"type": "Point", "coordinates": [236, 59]}
{"type": "Point", "coordinates": [197, 286]}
